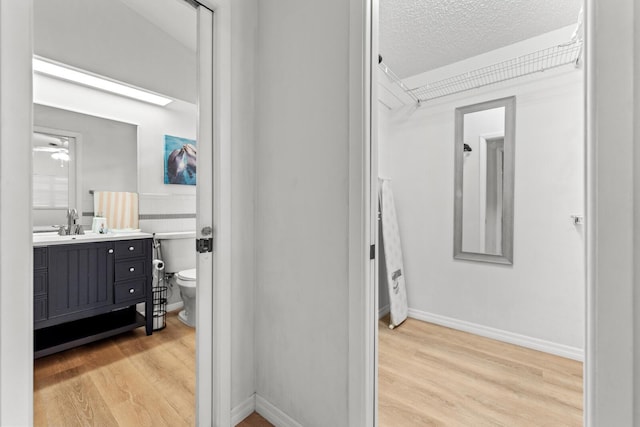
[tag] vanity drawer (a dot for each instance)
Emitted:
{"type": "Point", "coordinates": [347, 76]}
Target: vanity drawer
{"type": "Point", "coordinates": [40, 282]}
{"type": "Point", "coordinates": [40, 308]}
{"type": "Point", "coordinates": [126, 270]}
{"type": "Point", "coordinates": [134, 289]}
{"type": "Point", "coordinates": [131, 248]}
{"type": "Point", "coordinates": [39, 258]}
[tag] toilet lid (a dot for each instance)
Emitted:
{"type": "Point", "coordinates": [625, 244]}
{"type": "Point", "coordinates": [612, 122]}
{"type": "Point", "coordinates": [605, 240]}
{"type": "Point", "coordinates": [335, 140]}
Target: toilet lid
{"type": "Point", "coordinates": [187, 275]}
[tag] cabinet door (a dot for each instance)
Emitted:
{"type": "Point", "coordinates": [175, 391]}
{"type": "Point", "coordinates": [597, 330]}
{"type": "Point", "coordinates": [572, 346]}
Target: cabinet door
{"type": "Point", "coordinates": [80, 277]}
{"type": "Point", "coordinates": [39, 308]}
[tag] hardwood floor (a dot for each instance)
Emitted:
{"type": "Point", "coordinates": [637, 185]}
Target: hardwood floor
{"type": "Point", "coordinates": [129, 380]}
{"type": "Point", "coordinates": [428, 375]}
{"type": "Point", "coordinates": [255, 420]}
{"type": "Point", "coordinates": [432, 375]}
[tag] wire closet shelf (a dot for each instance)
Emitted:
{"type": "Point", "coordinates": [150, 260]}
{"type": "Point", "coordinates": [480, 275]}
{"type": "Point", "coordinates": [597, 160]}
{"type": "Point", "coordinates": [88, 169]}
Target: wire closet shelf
{"type": "Point", "coordinates": [535, 62]}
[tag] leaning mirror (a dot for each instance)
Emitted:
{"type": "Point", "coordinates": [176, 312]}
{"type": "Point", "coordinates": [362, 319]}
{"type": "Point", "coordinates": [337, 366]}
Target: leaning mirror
{"type": "Point", "coordinates": [484, 174]}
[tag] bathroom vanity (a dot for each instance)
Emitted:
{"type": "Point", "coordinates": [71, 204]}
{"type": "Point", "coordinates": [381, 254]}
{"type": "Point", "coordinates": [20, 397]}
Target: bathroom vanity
{"type": "Point", "coordinates": [86, 288]}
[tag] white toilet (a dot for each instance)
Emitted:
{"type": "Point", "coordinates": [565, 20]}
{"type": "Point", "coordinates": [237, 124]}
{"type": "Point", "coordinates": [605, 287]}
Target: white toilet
{"type": "Point", "coordinates": [178, 251]}
{"type": "Point", "coordinates": [186, 280]}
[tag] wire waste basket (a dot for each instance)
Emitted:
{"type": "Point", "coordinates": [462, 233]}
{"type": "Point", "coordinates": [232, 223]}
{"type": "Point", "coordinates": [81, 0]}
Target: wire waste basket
{"type": "Point", "coordinates": [159, 292]}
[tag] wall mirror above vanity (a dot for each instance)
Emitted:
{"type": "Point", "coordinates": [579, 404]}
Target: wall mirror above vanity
{"type": "Point", "coordinates": [484, 176]}
{"type": "Point", "coordinates": [56, 178]}
{"type": "Point", "coordinates": [74, 153]}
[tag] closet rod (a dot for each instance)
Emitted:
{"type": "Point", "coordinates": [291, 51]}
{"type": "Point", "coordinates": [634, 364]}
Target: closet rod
{"type": "Point", "coordinates": [521, 66]}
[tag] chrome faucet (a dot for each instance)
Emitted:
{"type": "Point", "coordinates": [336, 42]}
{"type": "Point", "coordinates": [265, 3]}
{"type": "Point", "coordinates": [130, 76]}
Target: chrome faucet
{"type": "Point", "coordinates": [72, 228]}
{"type": "Point", "coordinates": [72, 216]}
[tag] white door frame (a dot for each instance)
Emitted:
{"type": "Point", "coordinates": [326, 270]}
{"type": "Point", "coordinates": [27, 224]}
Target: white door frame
{"type": "Point", "coordinates": [609, 376]}
{"type": "Point", "coordinates": [362, 363]}
{"type": "Point", "coordinates": [16, 277]}
{"type": "Point", "coordinates": [16, 266]}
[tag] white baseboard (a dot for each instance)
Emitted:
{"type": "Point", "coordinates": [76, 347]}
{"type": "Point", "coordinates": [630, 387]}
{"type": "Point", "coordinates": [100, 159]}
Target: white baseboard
{"type": "Point", "coordinates": [384, 311]}
{"type": "Point", "coordinates": [274, 415]}
{"type": "Point", "coordinates": [500, 335]}
{"type": "Point", "coordinates": [174, 306]}
{"type": "Point", "coordinates": [243, 410]}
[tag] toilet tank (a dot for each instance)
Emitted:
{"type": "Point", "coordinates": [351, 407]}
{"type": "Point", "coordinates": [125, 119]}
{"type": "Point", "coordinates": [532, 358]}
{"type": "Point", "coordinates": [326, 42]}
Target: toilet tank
{"type": "Point", "coordinates": [178, 250]}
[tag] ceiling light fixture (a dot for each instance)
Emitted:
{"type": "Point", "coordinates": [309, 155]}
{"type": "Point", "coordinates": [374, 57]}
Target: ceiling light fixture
{"type": "Point", "coordinates": [60, 155]}
{"type": "Point", "coordinates": [65, 72]}
{"type": "Point", "coordinates": [48, 149]}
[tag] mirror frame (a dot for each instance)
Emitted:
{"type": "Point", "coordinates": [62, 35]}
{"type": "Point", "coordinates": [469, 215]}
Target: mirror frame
{"type": "Point", "coordinates": [506, 257]}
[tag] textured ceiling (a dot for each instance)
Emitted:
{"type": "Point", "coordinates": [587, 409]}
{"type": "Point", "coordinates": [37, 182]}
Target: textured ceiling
{"type": "Point", "coordinates": [421, 35]}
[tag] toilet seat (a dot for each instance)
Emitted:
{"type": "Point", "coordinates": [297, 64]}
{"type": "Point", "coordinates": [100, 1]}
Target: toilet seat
{"type": "Point", "coordinates": [187, 278]}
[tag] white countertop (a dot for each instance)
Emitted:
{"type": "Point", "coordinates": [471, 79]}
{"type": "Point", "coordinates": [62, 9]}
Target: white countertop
{"type": "Point", "coordinates": [52, 238]}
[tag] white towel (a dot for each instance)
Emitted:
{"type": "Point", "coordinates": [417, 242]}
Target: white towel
{"type": "Point", "coordinates": [120, 208]}
{"type": "Point", "coordinates": [393, 255]}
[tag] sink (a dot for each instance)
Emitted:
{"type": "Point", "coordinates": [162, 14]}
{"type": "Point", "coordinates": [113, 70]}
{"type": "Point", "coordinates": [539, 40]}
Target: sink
{"type": "Point", "coordinates": [53, 238]}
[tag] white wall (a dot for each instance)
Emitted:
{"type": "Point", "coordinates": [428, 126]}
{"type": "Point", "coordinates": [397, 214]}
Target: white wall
{"type": "Point", "coordinates": [109, 38]}
{"type": "Point", "coordinates": [244, 31]}
{"type": "Point", "coordinates": [302, 167]}
{"type": "Point", "coordinates": [542, 294]}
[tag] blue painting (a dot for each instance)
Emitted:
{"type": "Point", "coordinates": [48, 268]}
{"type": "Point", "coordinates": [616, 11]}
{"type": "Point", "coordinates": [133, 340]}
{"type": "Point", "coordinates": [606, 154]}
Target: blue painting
{"type": "Point", "coordinates": [179, 160]}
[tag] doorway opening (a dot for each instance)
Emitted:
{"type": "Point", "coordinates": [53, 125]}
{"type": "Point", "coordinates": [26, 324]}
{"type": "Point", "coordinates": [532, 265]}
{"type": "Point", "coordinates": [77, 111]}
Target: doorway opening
{"type": "Point", "coordinates": [481, 330]}
{"type": "Point", "coordinates": [126, 146]}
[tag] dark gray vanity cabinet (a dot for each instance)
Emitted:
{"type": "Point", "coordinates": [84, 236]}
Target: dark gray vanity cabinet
{"type": "Point", "coordinates": [80, 279]}
{"type": "Point", "coordinates": [88, 291]}
{"type": "Point", "coordinates": [40, 284]}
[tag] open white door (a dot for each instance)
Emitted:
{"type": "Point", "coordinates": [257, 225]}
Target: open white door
{"type": "Point", "coordinates": [213, 329]}
{"type": "Point", "coordinates": [204, 222]}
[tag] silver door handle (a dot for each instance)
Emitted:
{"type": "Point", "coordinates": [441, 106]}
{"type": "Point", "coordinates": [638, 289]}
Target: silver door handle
{"type": "Point", "coordinates": [132, 269]}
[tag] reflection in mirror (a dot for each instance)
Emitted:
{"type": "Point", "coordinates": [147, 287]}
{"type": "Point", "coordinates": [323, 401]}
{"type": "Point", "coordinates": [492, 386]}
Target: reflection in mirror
{"type": "Point", "coordinates": [103, 157]}
{"type": "Point", "coordinates": [485, 138]}
{"type": "Point", "coordinates": [482, 174]}
{"type": "Point", "coordinates": [54, 178]}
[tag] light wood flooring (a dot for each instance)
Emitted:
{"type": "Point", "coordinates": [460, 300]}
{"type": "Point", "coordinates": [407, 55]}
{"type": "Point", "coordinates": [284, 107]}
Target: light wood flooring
{"type": "Point", "coordinates": [128, 380]}
{"type": "Point", "coordinates": [432, 375]}
{"type": "Point", "coordinates": [428, 375]}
